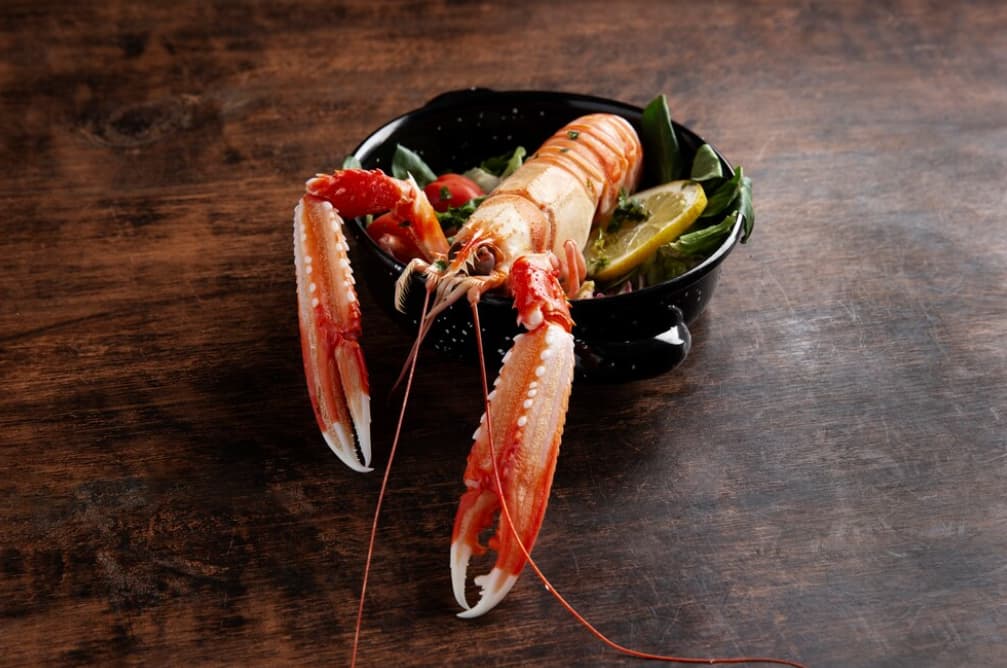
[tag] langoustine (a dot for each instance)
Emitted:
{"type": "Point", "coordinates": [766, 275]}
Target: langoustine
{"type": "Point", "coordinates": [526, 239]}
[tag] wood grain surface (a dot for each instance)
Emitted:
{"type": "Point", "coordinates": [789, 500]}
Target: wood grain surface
{"type": "Point", "coordinates": [823, 478]}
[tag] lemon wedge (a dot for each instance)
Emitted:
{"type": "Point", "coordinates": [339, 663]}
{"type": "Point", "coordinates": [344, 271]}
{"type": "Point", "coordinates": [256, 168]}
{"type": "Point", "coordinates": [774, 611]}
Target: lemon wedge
{"type": "Point", "coordinates": [673, 207]}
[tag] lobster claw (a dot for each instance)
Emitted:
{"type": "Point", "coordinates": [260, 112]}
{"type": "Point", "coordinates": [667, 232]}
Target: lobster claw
{"type": "Point", "coordinates": [329, 317]}
{"type": "Point", "coordinates": [328, 309]}
{"type": "Point", "coordinates": [527, 409]}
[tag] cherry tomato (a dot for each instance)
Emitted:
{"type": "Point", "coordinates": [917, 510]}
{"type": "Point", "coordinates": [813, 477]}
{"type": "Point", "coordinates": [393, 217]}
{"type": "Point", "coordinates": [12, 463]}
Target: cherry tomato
{"type": "Point", "coordinates": [451, 190]}
{"type": "Point", "coordinates": [394, 238]}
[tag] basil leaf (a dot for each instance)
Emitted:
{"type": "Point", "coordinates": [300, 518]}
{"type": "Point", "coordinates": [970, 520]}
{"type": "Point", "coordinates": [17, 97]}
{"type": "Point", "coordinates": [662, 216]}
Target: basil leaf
{"type": "Point", "coordinates": [406, 162]}
{"type": "Point", "coordinates": [661, 152]}
{"type": "Point", "coordinates": [723, 197]}
{"type": "Point", "coordinates": [705, 240]}
{"type": "Point", "coordinates": [352, 162]}
{"type": "Point", "coordinates": [706, 167]}
{"type": "Point", "coordinates": [745, 205]}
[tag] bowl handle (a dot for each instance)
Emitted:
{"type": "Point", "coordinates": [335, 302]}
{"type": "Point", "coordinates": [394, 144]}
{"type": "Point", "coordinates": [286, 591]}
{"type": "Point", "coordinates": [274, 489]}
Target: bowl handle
{"type": "Point", "coordinates": [617, 362]}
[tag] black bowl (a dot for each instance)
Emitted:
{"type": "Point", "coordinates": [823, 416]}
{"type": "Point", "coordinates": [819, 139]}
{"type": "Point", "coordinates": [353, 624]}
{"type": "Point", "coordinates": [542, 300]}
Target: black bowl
{"type": "Point", "coordinates": [633, 335]}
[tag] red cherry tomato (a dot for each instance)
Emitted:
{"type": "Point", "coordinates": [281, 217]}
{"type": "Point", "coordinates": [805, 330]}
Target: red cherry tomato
{"type": "Point", "coordinates": [394, 238]}
{"type": "Point", "coordinates": [451, 190]}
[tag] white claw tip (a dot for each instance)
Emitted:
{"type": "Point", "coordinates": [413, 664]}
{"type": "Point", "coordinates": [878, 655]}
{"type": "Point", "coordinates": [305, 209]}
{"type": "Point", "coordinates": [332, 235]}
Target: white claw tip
{"type": "Point", "coordinates": [495, 586]}
{"type": "Point", "coordinates": [345, 451]}
{"type": "Point", "coordinates": [460, 555]}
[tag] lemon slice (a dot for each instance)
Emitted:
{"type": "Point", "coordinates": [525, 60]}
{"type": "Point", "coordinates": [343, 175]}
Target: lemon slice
{"type": "Point", "coordinates": [673, 207]}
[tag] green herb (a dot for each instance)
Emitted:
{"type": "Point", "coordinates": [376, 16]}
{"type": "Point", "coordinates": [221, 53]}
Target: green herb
{"type": "Point", "coordinates": [406, 162]}
{"type": "Point", "coordinates": [703, 241]}
{"type": "Point", "coordinates": [452, 219]}
{"type": "Point", "coordinates": [445, 194]}
{"type": "Point", "coordinates": [663, 157]}
{"type": "Point", "coordinates": [482, 178]}
{"type": "Point", "coordinates": [723, 197]}
{"type": "Point", "coordinates": [706, 168]}
{"type": "Point", "coordinates": [489, 174]}
{"type": "Point", "coordinates": [746, 207]}
{"type": "Point", "coordinates": [599, 243]}
{"type": "Point", "coordinates": [352, 162]}
{"type": "Point", "coordinates": [572, 134]}
{"type": "Point", "coordinates": [564, 150]}
{"type": "Point", "coordinates": [506, 164]}
{"type": "Point", "coordinates": [628, 210]}
{"type": "Point", "coordinates": [666, 264]}
{"type": "Point", "coordinates": [441, 265]}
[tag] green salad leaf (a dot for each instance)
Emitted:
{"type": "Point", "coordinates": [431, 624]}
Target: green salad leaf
{"type": "Point", "coordinates": [662, 154]}
{"type": "Point", "coordinates": [704, 240]}
{"type": "Point", "coordinates": [406, 162]}
{"type": "Point", "coordinates": [666, 263]}
{"type": "Point", "coordinates": [493, 170]}
{"type": "Point", "coordinates": [452, 220]}
{"type": "Point", "coordinates": [723, 196]}
{"type": "Point", "coordinates": [747, 209]}
{"type": "Point", "coordinates": [506, 164]}
{"type": "Point", "coordinates": [706, 168]}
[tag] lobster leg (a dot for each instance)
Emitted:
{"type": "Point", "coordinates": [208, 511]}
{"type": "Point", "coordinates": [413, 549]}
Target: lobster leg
{"type": "Point", "coordinates": [527, 409]}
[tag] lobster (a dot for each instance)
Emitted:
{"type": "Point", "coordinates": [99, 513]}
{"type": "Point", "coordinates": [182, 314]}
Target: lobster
{"type": "Point", "coordinates": [525, 239]}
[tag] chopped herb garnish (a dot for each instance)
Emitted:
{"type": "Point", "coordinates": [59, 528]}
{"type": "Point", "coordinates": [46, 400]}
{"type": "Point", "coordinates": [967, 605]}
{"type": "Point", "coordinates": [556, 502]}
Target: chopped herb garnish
{"type": "Point", "coordinates": [564, 149]}
{"type": "Point", "coordinates": [599, 242]}
{"type": "Point", "coordinates": [441, 265]}
{"type": "Point", "coordinates": [452, 219]}
{"type": "Point", "coordinates": [572, 134]}
{"type": "Point", "coordinates": [628, 210]}
{"type": "Point", "coordinates": [445, 194]}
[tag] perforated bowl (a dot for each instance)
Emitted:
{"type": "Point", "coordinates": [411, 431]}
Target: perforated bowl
{"type": "Point", "coordinates": [622, 337]}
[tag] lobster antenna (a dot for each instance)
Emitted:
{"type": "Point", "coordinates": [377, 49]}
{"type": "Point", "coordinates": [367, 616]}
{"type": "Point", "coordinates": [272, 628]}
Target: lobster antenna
{"type": "Point", "coordinates": [447, 294]}
{"type": "Point", "coordinates": [506, 515]}
{"type": "Point", "coordinates": [410, 363]}
{"type": "Point", "coordinates": [381, 494]}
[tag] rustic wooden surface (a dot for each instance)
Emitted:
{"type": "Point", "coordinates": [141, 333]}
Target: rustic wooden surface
{"type": "Point", "coordinates": [823, 479]}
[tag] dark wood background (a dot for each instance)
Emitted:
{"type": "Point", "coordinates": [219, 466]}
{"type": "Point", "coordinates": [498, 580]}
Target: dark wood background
{"type": "Point", "coordinates": [823, 479]}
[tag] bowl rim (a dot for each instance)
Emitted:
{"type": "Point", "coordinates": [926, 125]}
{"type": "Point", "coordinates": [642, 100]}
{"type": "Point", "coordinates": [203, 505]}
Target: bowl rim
{"type": "Point", "coordinates": [444, 102]}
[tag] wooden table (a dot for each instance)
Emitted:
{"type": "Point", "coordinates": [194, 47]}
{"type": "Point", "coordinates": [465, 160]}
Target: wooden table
{"type": "Point", "coordinates": [823, 479]}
